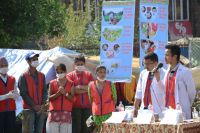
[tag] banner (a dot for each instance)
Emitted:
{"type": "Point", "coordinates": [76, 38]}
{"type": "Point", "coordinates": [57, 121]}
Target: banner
{"type": "Point", "coordinates": [153, 28]}
{"type": "Point", "coordinates": [117, 32]}
{"type": "Point", "coordinates": [178, 30]}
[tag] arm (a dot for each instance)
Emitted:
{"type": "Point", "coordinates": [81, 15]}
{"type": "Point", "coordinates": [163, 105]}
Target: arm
{"type": "Point", "coordinates": [84, 88]}
{"type": "Point", "coordinates": [53, 96]}
{"type": "Point", "coordinates": [89, 94]}
{"type": "Point", "coordinates": [114, 93]}
{"type": "Point", "coordinates": [44, 91]}
{"type": "Point", "coordinates": [138, 96]}
{"type": "Point", "coordinates": [159, 75]}
{"type": "Point", "coordinates": [137, 104]}
{"type": "Point", "coordinates": [12, 94]}
{"type": "Point", "coordinates": [24, 92]}
{"type": "Point", "coordinates": [190, 86]}
{"type": "Point", "coordinates": [80, 89]}
{"type": "Point", "coordinates": [70, 95]}
{"type": "Point", "coordinates": [4, 97]}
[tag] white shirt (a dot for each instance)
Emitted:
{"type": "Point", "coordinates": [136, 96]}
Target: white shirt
{"type": "Point", "coordinates": [4, 78]}
{"type": "Point", "coordinates": [157, 91]}
{"type": "Point", "coordinates": [185, 91]}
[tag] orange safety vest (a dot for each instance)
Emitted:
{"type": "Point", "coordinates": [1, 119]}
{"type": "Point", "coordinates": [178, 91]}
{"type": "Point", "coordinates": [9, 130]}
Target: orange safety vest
{"type": "Point", "coordinates": [81, 100]}
{"type": "Point", "coordinates": [8, 104]}
{"type": "Point", "coordinates": [34, 93]}
{"type": "Point", "coordinates": [60, 103]}
{"type": "Point", "coordinates": [101, 104]}
{"type": "Point", "coordinates": [170, 90]}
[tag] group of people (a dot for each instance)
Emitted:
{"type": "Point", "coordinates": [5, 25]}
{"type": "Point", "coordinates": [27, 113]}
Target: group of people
{"type": "Point", "coordinates": [161, 89]}
{"type": "Point", "coordinates": [68, 98]}
{"type": "Point", "coordinates": [73, 97]}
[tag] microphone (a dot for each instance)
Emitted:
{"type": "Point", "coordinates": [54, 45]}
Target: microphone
{"type": "Point", "coordinates": [157, 67]}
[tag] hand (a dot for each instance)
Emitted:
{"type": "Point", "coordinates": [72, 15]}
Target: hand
{"type": "Point", "coordinates": [78, 87]}
{"type": "Point", "coordinates": [12, 95]}
{"type": "Point", "coordinates": [62, 90]}
{"type": "Point", "coordinates": [135, 112]}
{"type": "Point", "coordinates": [157, 76]}
{"type": "Point", "coordinates": [37, 108]}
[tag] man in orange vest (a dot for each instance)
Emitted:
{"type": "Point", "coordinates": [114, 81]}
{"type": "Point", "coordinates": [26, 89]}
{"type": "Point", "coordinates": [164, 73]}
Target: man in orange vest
{"type": "Point", "coordinates": [8, 94]}
{"type": "Point", "coordinates": [33, 90]}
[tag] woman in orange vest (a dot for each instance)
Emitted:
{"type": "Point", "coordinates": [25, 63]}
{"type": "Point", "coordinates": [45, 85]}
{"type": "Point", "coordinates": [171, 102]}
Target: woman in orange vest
{"type": "Point", "coordinates": [60, 103]}
{"type": "Point", "coordinates": [103, 97]}
{"type": "Point", "coordinates": [8, 94]}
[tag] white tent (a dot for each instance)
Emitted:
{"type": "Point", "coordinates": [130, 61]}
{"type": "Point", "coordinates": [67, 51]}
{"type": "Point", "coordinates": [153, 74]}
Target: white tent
{"type": "Point", "coordinates": [18, 64]}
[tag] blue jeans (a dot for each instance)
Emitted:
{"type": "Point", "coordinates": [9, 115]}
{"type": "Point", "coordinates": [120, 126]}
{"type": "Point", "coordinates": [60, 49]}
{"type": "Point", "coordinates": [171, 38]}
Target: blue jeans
{"type": "Point", "coordinates": [32, 122]}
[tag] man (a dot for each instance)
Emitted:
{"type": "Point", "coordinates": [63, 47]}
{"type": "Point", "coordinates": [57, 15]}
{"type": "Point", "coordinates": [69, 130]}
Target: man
{"type": "Point", "coordinates": [33, 90]}
{"type": "Point", "coordinates": [148, 91]}
{"type": "Point", "coordinates": [180, 87]}
{"type": "Point", "coordinates": [8, 94]}
{"type": "Point", "coordinates": [81, 106]}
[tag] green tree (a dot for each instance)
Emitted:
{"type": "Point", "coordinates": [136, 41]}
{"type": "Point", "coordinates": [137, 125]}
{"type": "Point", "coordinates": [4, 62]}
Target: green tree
{"type": "Point", "coordinates": [83, 33]}
{"type": "Point", "coordinates": [23, 20]}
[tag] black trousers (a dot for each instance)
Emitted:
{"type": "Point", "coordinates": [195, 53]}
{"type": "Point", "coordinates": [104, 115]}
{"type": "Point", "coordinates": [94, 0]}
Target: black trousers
{"type": "Point", "coordinates": [7, 122]}
{"type": "Point", "coordinates": [79, 117]}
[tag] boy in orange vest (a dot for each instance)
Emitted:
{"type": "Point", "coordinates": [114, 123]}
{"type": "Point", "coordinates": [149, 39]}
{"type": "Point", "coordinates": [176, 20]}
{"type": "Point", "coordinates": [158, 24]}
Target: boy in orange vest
{"type": "Point", "coordinates": [81, 106]}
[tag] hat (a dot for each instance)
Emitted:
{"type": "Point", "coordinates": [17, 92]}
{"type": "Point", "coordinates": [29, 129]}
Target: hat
{"type": "Point", "coordinates": [3, 61]}
{"type": "Point", "coordinates": [30, 55]}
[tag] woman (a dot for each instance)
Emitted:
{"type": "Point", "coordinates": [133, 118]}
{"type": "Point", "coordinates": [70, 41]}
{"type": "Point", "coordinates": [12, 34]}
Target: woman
{"type": "Point", "coordinates": [102, 94]}
{"type": "Point", "coordinates": [60, 103]}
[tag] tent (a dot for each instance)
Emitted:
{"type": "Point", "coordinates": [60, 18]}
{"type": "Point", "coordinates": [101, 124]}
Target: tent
{"type": "Point", "coordinates": [18, 64]}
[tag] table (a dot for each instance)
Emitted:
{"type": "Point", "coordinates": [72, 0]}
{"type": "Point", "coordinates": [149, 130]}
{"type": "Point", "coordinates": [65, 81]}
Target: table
{"type": "Point", "coordinates": [186, 127]}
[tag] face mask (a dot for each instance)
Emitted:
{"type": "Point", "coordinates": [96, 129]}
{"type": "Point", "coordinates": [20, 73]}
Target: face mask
{"type": "Point", "coordinates": [35, 63]}
{"type": "Point", "coordinates": [60, 75]}
{"type": "Point", "coordinates": [80, 68]}
{"type": "Point", "coordinates": [101, 80]}
{"type": "Point", "coordinates": [4, 70]}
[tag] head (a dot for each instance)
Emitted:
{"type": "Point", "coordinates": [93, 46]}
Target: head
{"type": "Point", "coordinates": [101, 73]}
{"type": "Point", "coordinates": [3, 66]}
{"type": "Point", "coordinates": [32, 59]}
{"type": "Point", "coordinates": [143, 9]}
{"type": "Point", "coordinates": [143, 43]}
{"type": "Point", "coordinates": [116, 47]}
{"type": "Point", "coordinates": [149, 15]}
{"type": "Point", "coordinates": [105, 47]}
{"type": "Point", "coordinates": [61, 71]}
{"type": "Point", "coordinates": [172, 54]}
{"type": "Point", "coordinates": [154, 9]}
{"type": "Point", "coordinates": [79, 63]}
{"type": "Point", "coordinates": [150, 61]}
